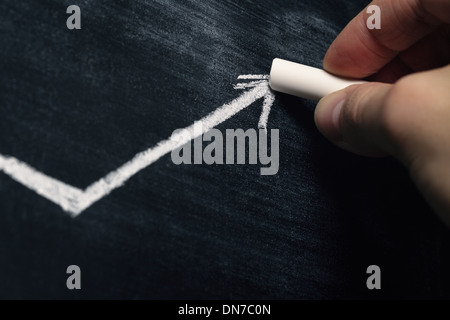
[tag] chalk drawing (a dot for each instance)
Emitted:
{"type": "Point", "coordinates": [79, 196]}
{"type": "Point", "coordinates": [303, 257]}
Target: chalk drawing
{"type": "Point", "coordinates": [253, 76]}
{"type": "Point", "coordinates": [75, 201]}
{"type": "Point", "coordinates": [245, 85]}
{"type": "Point", "coordinates": [268, 99]}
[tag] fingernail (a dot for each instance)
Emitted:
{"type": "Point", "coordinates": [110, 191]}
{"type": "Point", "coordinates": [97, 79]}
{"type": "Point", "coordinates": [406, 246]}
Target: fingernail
{"type": "Point", "coordinates": [328, 115]}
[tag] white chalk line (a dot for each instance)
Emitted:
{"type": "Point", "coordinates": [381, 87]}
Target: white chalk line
{"type": "Point", "coordinates": [269, 99]}
{"type": "Point", "coordinates": [75, 201]}
{"type": "Point", "coordinates": [245, 85]}
{"type": "Point", "coordinates": [254, 76]}
{"type": "Point", "coordinates": [54, 190]}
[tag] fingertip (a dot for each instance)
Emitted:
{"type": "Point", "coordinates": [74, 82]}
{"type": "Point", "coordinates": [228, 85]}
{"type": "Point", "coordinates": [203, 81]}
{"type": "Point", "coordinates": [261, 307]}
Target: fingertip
{"type": "Point", "coordinates": [328, 60]}
{"type": "Point", "coordinates": [352, 118]}
{"type": "Point", "coordinates": [327, 115]}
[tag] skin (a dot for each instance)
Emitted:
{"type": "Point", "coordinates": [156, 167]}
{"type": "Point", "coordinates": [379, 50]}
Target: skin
{"type": "Point", "coordinates": [405, 111]}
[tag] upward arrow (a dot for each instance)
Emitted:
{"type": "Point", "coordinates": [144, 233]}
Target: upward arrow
{"type": "Point", "coordinates": [75, 201]}
{"type": "Point", "coordinates": [269, 97]}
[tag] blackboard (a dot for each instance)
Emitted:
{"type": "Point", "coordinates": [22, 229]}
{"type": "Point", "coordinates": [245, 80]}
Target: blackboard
{"type": "Point", "coordinates": [78, 104]}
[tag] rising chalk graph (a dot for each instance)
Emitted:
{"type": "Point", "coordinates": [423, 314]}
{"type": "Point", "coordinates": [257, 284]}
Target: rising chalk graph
{"type": "Point", "coordinates": [74, 200]}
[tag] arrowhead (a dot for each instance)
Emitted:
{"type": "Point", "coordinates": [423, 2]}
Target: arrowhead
{"type": "Point", "coordinates": [269, 97]}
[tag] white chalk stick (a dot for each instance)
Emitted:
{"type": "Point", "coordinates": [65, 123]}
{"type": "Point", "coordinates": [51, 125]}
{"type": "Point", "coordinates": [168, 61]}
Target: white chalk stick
{"type": "Point", "coordinates": [304, 81]}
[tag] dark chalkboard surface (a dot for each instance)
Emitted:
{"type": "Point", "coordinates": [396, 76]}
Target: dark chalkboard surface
{"type": "Point", "coordinates": [78, 104]}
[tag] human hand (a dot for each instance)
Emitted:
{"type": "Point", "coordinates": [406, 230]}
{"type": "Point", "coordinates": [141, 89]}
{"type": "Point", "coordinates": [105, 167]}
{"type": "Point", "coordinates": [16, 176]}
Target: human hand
{"type": "Point", "coordinates": [409, 119]}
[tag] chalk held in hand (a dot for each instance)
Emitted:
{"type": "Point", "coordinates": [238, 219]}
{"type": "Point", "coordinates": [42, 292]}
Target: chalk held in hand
{"type": "Point", "coordinates": [304, 81]}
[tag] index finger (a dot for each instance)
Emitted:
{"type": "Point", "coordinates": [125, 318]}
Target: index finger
{"type": "Point", "coordinates": [359, 51]}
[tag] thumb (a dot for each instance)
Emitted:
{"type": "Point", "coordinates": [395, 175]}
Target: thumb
{"type": "Point", "coordinates": [408, 120]}
{"type": "Point", "coordinates": [353, 118]}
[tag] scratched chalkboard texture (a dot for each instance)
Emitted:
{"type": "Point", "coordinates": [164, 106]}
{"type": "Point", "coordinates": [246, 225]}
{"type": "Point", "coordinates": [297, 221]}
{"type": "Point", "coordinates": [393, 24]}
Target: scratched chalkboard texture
{"type": "Point", "coordinates": [77, 104]}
